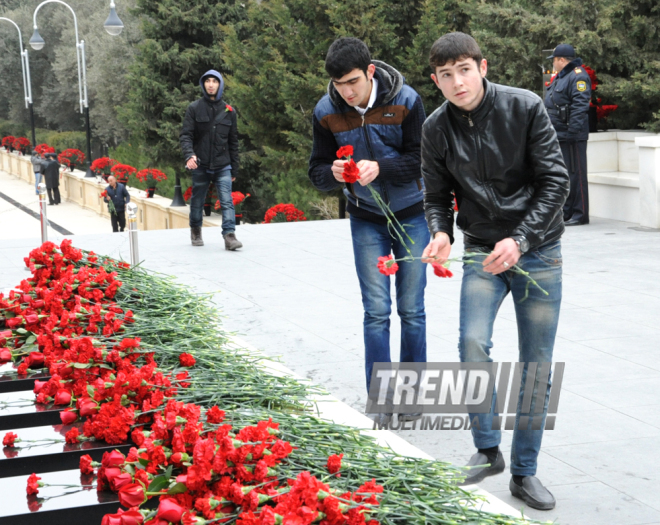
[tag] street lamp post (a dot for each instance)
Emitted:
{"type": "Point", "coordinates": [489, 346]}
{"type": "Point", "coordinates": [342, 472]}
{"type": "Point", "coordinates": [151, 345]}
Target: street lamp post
{"type": "Point", "coordinates": [114, 26]}
{"type": "Point", "coordinates": [27, 84]}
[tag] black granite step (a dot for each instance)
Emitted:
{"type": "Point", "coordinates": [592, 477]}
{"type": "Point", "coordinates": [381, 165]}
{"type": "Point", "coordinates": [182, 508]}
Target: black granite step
{"type": "Point", "coordinates": [15, 461]}
{"type": "Point", "coordinates": [10, 382]}
{"type": "Point", "coordinates": [55, 505]}
{"type": "Point", "coordinates": [29, 414]}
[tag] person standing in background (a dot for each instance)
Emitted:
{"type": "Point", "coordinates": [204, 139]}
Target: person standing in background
{"type": "Point", "coordinates": [567, 101]}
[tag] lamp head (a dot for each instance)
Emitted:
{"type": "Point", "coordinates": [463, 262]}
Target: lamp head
{"type": "Point", "coordinates": [36, 42]}
{"type": "Point", "coordinates": [113, 25]}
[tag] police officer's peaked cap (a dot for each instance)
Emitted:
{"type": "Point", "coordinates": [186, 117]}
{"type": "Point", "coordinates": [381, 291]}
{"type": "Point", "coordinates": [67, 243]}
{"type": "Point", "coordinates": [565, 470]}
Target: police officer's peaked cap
{"type": "Point", "coordinates": [564, 51]}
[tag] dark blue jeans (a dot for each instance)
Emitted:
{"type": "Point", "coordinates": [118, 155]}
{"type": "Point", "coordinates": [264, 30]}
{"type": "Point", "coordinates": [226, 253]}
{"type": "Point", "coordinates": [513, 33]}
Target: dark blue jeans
{"type": "Point", "coordinates": [201, 179]}
{"type": "Point", "coordinates": [482, 294]}
{"type": "Point", "coordinates": [371, 241]}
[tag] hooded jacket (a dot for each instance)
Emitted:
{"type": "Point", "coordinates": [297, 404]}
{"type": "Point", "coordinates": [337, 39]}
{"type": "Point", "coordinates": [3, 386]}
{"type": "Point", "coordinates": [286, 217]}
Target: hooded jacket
{"type": "Point", "coordinates": [571, 87]}
{"type": "Point", "coordinates": [503, 162]}
{"type": "Point", "coordinates": [389, 133]}
{"type": "Point", "coordinates": [210, 130]}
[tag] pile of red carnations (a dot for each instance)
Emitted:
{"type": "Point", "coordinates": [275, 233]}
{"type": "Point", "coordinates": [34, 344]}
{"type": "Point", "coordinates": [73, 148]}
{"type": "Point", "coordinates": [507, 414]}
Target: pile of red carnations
{"type": "Point", "coordinates": [102, 167]}
{"type": "Point", "coordinates": [135, 356]}
{"type": "Point", "coordinates": [65, 319]}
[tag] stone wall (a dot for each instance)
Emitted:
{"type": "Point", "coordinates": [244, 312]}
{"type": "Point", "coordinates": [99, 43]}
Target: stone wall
{"type": "Point", "coordinates": [153, 214]}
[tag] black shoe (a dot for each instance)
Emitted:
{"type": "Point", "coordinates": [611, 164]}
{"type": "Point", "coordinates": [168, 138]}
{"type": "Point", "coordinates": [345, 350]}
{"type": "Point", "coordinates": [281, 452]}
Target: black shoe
{"type": "Point", "coordinates": [575, 222]}
{"type": "Point", "coordinates": [477, 474]}
{"type": "Point", "coordinates": [380, 420]}
{"type": "Point", "coordinates": [533, 493]}
{"type": "Point", "coordinates": [196, 236]}
{"type": "Point", "coordinates": [410, 417]}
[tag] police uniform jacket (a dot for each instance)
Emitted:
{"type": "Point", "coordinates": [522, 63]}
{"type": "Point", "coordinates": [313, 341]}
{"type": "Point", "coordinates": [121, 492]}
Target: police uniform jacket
{"type": "Point", "coordinates": [572, 88]}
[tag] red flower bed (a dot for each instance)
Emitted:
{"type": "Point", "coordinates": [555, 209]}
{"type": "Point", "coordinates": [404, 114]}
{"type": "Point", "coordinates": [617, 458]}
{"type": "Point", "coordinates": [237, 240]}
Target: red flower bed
{"type": "Point", "coordinates": [8, 142]}
{"type": "Point", "coordinates": [151, 176]}
{"type": "Point", "coordinates": [289, 213]}
{"type": "Point", "coordinates": [103, 166]}
{"type": "Point", "coordinates": [42, 149]}
{"type": "Point", "coordinates": [22, 145]}
{"type": "Point", "coordinates": [71, 158]}
{"type": "Point", "coordinates": [122, 172]}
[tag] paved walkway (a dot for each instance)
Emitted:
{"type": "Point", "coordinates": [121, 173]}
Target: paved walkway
{"type": "Point", "coordinates": [292, 291]}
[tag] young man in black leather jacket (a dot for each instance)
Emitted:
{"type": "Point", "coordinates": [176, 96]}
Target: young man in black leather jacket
{"type": "Point", "coordinates": [494, 147]}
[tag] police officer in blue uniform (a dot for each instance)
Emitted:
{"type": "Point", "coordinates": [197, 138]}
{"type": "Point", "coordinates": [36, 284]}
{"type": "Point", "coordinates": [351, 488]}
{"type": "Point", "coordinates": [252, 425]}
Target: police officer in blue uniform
{"type": "Point", "coordinates": [567, 101]}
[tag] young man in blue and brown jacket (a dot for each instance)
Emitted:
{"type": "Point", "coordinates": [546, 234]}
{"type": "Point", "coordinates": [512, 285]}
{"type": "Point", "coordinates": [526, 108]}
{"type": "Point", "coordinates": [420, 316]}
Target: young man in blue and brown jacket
{"type": "Point", "coordinates": [368, 106]}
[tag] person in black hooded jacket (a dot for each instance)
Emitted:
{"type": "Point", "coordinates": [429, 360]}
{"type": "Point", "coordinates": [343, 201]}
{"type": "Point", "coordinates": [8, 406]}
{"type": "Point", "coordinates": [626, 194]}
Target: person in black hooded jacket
{"type": "Point", "coordinates": [209, 140]}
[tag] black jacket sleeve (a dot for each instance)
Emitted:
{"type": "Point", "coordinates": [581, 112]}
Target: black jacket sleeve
{"type": "Point", "coordinates": [324, 153]}
{"type": "Point", "coordinates": [551, 182]}
{"type": "Point", "coordinates": [232, 145]}
{"type": "Point", "coordinates": [406, 168]}
{"type": "Point", "coordinates": [579, 105]}
{"type": "Point", "coordinates": [187, 135]}
{"type": "Point", "coordinates": [438, 181]}
{"type": "Point", "coordinates": [126, 194]}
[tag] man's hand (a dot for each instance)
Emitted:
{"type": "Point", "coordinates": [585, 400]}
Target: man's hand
{"type": "Point", "coordinates": [191, 164]}
{"type": "Point", "coordinates": [504, 256]}
{"type": "Point", "coordinates": [369, 170]}
{"type": "Point", "coordinates": [438, 249]}
{"type": "Point", "coordinates": [338, 170]}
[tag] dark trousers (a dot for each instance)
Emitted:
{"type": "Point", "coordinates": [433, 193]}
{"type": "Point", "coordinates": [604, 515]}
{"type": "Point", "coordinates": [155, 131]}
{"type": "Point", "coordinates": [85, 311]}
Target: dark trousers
{"type": "Point", "coordinates": [118, 221]}
{"type": "Point", "coordinates": [575, 158]}
{"type": "Point", "coordinates": [54, 195]}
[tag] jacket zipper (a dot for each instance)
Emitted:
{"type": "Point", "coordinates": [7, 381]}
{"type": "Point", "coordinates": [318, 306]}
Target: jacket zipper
{"type": "Point", "coordinates": [482, 169]}
{"type": "Point", "coordinates": [371, 157]}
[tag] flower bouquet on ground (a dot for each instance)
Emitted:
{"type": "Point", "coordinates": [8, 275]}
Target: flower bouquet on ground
{"type": "Point", "coordinates": [151, 177]}
{"type": "Point", "coordinates": [22, 145]}
{"type": "Point", "coordinates": [284, 213]}
{"type": "Point", "coordinates": [101, 167]}
{"type": "Point", "coordinates": [71, 158]}
{"type": "Point", "coordinates": [44, 148]}
{"type": "Point", "coordinates": [8, 142]}
{"type": "Point", "coordinates": [122, 172]}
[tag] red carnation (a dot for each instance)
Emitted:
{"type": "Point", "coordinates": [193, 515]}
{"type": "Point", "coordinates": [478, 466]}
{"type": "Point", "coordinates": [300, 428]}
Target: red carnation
{"type": "Point", "coordinates": [386, 266]}
{"type": "Point", "coordinates": [229, 108]}
{"type": "Point", "coordinates": [186, 359]}
{"type": "Point", "coordinates": [33, 484]}
{"type": "Point", "coordinates": [441, 271]}
{"type": "Point", "coordinates": [351, 172]}
{"type": "Point", "coordinates": [131, 495]}
{"type": "Point", "coordinates": [345, 151]}
{"type": "Point", "coordinates": [86, 464]}
{"type": "Point", "coordinates": [214, 415]}
{"type": "Point", "coordinates": [8, 440]}
{"type": "Point", "coordinates": [334, 463]}
{"type": "Point", "coordinates": [72, 435]}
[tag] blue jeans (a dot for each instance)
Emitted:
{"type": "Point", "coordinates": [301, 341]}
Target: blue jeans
{"type": "Point", "coordinates": [37, 180]}
{"type": "Point", "coordinates": [537, 316]}
{"type": "Point", "coordinates": [201, 179]}
{"type": "Point", "coordinates": [371, 241]}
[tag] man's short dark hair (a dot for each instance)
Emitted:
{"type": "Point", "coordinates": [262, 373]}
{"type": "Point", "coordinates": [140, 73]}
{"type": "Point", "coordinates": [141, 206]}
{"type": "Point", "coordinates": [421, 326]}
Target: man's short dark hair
{"type": "Point", "coordinates": [453, 47]}
{"type": "Point", "coordinates": [345, 55]}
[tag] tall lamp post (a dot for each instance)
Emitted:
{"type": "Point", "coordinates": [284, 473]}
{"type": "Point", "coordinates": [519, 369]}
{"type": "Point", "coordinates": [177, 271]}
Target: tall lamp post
{"type": "Point", "coordinates": [27, 83]}
{"type": "Point", "coordinates": [113, 26]}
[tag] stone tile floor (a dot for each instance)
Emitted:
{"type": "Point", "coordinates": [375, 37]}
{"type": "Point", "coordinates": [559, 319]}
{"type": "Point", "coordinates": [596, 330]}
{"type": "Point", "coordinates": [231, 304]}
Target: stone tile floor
{"type": "Point", "coordinates": [292, 291]}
